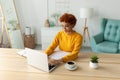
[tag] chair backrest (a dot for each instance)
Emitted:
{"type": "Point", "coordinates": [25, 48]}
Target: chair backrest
{"type": "Point", "coordinates": [111, 29]}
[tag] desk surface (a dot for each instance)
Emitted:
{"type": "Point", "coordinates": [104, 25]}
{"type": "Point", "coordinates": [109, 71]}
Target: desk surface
{"type": "Point", "coordinates": [15, 67]}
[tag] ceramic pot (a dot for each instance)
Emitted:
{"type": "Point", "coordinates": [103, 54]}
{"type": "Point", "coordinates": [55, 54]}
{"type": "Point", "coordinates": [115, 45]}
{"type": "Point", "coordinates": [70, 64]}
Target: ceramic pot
{"type": "Point", "coordinates": [93, 65]}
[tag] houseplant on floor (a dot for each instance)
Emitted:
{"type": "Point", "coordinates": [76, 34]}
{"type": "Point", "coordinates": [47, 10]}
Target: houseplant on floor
{"type": "Point", "coordinates": [94, 62]}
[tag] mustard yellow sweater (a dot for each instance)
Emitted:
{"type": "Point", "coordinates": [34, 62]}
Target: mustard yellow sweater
{"type": "Point", "coordinates": [66, 42]}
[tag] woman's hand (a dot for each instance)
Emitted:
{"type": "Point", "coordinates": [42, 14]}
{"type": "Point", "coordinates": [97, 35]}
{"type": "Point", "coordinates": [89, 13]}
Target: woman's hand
{"type": "Point", "coordinates": [55, 62]}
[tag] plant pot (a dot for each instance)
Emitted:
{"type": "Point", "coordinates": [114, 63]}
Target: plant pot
{"type": "Point", "coordinates": [93, 65]}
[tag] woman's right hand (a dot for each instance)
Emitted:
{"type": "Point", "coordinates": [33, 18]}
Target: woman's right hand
{"type": "Point", "coordinates": [55, 62]}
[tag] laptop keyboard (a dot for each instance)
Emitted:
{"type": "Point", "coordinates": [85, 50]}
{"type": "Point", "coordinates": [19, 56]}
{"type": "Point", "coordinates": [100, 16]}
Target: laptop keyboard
{"type": "Point", "coordinates": [51, 66]}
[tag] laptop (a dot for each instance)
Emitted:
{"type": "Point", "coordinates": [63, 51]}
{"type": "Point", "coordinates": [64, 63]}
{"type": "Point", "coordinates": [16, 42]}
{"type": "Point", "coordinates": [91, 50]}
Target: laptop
{"type": "Point", "coordinates": [39, 60]}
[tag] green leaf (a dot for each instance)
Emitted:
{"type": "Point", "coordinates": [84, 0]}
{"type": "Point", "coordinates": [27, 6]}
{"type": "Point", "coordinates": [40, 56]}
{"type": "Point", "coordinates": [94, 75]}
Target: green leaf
{"type": "Point", "coordinates": [94, 59]}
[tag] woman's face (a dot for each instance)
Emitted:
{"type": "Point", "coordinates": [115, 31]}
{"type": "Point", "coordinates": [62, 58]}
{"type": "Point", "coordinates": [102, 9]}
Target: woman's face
{"type": "Point", "coordinates": [67, 27]}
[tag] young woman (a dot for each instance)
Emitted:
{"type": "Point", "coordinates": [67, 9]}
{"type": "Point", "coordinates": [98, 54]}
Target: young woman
{"type": "Point", "coordinates": [67, 39]}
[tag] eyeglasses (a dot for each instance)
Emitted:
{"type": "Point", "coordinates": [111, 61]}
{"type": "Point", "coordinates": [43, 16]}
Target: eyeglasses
{"type": "Point", "coordinates": [66, 25]}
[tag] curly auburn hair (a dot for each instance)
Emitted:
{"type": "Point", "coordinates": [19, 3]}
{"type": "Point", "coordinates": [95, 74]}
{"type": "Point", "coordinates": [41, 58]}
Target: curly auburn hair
{"type": "Point", "coordinates": [68, 18]}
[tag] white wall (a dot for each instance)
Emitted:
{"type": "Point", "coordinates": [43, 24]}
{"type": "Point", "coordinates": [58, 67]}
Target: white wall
{"type": "Point", "coordinates": [34, 12]}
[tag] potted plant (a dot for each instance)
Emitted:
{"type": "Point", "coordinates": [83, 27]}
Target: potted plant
{"type": "Point", "coordinates": [94, 61]}
{"type": "Point", "coordinates": [56, 17]}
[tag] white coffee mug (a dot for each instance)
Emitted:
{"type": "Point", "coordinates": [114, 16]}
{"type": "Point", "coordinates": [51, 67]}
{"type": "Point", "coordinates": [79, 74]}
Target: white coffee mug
{"type": "Point", "coordinates": [71, 64]}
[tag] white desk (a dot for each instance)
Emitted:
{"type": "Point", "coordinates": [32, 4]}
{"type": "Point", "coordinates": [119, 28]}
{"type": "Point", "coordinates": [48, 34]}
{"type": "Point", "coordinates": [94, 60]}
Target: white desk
{"type": "Point", "coordinates": [15, 67]}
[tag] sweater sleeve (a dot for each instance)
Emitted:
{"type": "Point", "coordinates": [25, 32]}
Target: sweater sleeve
{"type": "Point", "coordinates": [74, 53]}
{"type": "Point", "coordinates": [53, 45]}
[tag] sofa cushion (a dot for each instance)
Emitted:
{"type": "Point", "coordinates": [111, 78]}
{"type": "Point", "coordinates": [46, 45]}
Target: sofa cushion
{"type": "Point", "coordinates": [119, 48]}
{"type": "Point", "coordinates": [107, 46]}
{"type": "Point", "coordinates": [112, 30]}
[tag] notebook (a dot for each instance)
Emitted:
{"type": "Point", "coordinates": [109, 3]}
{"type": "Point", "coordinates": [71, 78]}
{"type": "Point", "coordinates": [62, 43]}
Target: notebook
{"type": "Point", "coordinates": [39, 60]}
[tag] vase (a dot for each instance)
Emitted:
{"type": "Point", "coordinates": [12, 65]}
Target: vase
{"type": "Point", "coordinates": [47, 23]}
{"type": "Point", "coordinates": [27, 30]}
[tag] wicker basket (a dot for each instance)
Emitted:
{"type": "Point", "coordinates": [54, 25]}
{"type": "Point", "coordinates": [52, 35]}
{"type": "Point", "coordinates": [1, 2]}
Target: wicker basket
{"type": "Point", "coordinates": [29, 41]}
